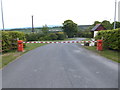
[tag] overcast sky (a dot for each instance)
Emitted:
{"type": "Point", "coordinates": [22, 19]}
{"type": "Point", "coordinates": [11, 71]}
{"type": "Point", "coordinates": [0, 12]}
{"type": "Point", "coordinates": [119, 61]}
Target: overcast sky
{"type": "Point", "coordinates": [17, 13]}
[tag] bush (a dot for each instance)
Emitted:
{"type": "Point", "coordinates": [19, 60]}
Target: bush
{"type": "Point", "coordinates": [9, 39]}
{"type": "Point", "coordinates": [53, 36]}
{"type": "Point", "coordinates": [111, 38]}
{"type": "Point", "coordinates": [47, 37]}
{"type": "Point", "coordinates": [61, 36]}
{"type": "Point", "coordinates": [42, 37]}
{"type": "Point", "coordinates": [35, 36]}
{"type": "Point", "coordinates": [85, 34]}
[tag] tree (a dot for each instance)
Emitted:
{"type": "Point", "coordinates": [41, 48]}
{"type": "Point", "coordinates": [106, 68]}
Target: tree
{"type": "Point", "coordinates": [117, 25]}
{"type": "Point", "coordinates": [107, 24]}
{"type": "Point", "coordinates": [45, 29]}
{"type": "Point", "coordinates": [70, 28]}
{"type": "Point", "coordinates": [96, 22]}
{"type": "Point", "coordinates": [85, 32]}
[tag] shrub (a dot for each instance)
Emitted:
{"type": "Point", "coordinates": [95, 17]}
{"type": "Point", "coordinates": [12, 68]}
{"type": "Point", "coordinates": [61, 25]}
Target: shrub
{"type": "Point", "coordinates": [53, 36]}
{"type": "Point", "coordinates": [31, 37]}
{"type": "Point", "coordinates": [9, 39]}
{"type": "Point", "coordinates": [61, 36]}
{"type": "Point", "coordinates": [42, 37]}
{"type": "Point", "coordinates": [34, 36]}
{"type": "Point", "coordinates": [111, 38]}
{"type": "Point", "coordinates": [86, 34]}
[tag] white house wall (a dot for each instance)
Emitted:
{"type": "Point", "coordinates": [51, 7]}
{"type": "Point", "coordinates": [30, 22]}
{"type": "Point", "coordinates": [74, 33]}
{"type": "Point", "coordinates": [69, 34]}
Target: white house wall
{"type": "Point", "coordinates": [95, 33]}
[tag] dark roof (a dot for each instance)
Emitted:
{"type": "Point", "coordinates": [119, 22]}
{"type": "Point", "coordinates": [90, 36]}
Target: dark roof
{"type": "Point", "coordinates": [94, 28]}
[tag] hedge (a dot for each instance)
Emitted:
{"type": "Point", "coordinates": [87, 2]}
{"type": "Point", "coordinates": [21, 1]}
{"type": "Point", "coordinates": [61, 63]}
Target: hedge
{"type": "Point", "coordinates": [61, 35]}
{"type": "Point", "coordinates": [33, 36]}
{"type": "Point", "coordinates": [42, 37]}
{"type": "Point", "coordinates": [9, 39]}
{"type": "Point", "coordinates": [111, 38]}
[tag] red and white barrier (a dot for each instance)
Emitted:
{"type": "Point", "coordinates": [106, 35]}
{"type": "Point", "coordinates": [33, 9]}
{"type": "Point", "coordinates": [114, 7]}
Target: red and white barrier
{"type": "Point", "coordinates": [99, 43]}
{"type": "Point", "coordinates": [61, 42]}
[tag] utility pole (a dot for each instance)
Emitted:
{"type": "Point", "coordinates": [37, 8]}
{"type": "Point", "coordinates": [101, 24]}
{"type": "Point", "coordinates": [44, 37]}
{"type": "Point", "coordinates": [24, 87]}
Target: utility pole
{"type": "Point", "coordinates": [119, 11]}
{"type": "Point", "coordinates": [2, 16]}
{"type": "Point", "coordinates": [32, 24]}
{"type": "Point", "coordinates": [115, 14]}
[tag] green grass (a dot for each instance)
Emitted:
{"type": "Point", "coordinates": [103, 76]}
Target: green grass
{"type": "Point", "coordinates": [12, 55]}
{"type": "Point", "coordinates": [110, 54]}
{"type": "Point", "coordinates": [8, 57]}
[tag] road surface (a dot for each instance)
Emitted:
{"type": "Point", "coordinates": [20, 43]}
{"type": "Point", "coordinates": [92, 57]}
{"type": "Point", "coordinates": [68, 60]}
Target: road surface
{"type": "Point", "coordinates": [61, 66]}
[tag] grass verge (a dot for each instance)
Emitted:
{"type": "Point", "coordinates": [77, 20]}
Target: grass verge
{"type": "Point", "coordinates": [110, 54]}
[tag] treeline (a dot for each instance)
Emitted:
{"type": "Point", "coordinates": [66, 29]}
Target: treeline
{"type": "Point", "coordinates": [87, 32]}
{"type": "Point", "coordinates": [71, 29]}
{"type": "Point", "coordinates": [111, 39]}
{"type": "Point", "coordinates": [107, 24]}
{"type": "Point", "coordinates": [43, 37]}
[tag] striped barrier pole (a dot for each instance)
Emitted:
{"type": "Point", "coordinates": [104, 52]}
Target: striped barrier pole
{"type": "Point", "coordinates": [20, 46]}
{"type": "Point", "coordinates": [61, 42]}
{"type": "Point", "coordinates": [21, 49]}
{"type": "Point", "coordinates": [99, 45]}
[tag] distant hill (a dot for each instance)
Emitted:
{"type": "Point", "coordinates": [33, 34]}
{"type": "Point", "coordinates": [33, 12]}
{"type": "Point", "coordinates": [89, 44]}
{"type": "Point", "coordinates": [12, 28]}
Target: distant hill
{"type": "Point", "coordinates": [54, 28]}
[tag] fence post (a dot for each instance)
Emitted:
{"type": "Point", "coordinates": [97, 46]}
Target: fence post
{"type": "Point", "coordinates": [20, 46]}
{"type": "Point", "coordinates": [99, 45]}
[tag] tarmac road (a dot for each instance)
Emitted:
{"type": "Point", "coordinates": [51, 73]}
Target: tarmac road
{"type": "Point", "coordinates": [60, 66]}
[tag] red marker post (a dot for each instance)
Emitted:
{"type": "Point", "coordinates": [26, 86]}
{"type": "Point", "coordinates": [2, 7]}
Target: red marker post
{"type": "Point", "coordinates": [99, 45]}
{"type": "Point", "coordinates": [20, 46]}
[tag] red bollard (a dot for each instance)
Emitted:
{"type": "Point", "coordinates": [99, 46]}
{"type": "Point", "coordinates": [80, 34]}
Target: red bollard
{"type": "Point", "coordinates": [99, 45]}
{"type": "Point", "coordinates": [20, 46]}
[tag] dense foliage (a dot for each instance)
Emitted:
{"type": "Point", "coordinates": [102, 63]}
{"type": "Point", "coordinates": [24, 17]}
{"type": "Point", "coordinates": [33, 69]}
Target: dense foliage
{"type": "Point", "coordinates": [9, 39]}
{"type": "Point", "coordinates": [111, 38]}
{"type": "Point", "coordinates": [107, 24]}
{"type": "Point", "coordinates": [117, 24]}
{"type": "Point", "coordinates": [86, 33]}
{"type": "Point", "coordinates": [70, 28]}
{"type": "Point", "coordinates": [61, 35]}
{"type": "Point", "coordinates": [42, 37]}
{"type": "Point", "coordinates": [45, 29]}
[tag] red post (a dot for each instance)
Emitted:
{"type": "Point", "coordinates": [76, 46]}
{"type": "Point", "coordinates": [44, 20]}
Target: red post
{"type": "Point", "coordinates": [20, 46]}
{"type": "Point", "coordinates": [99, 45]}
